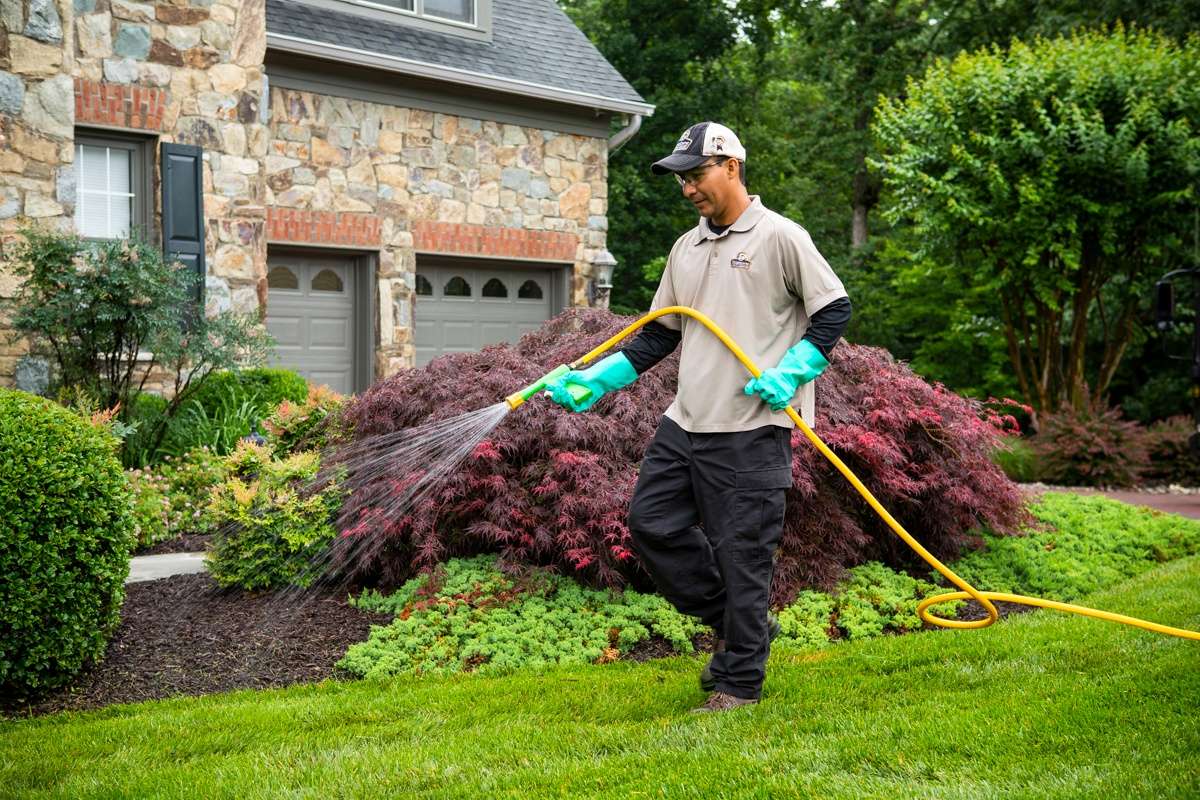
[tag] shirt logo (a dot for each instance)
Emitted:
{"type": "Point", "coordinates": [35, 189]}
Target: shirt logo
{"type": "Point", "coordinates": [741, 262]}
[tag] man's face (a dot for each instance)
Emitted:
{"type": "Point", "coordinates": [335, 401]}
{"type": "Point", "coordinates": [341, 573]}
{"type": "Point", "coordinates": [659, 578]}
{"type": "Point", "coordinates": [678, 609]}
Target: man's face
{"type": "Point", "coordinates": [710, 186]}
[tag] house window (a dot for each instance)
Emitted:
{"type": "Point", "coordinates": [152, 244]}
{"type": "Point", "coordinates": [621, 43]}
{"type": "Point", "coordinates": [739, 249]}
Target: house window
{"type": "Point", "coordinates": [470, 13]}
{"type": "Point", "coordinates": [111, 186]}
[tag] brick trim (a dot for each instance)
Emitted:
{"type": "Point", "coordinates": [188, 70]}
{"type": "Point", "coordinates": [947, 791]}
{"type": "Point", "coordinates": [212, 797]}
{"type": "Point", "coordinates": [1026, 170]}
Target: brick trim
{"type": "Point", "coordinates": [120, 105]}
{"type": "Point", "coordinates": [480, 240]}
{"type": "Point", "coordinates": [323, 227]}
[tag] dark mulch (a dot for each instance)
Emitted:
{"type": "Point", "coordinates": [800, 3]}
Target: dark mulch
{"type": "Point", "coordinates": [184, 635]}
{"type": "Point", "coordinates": [183, 543]}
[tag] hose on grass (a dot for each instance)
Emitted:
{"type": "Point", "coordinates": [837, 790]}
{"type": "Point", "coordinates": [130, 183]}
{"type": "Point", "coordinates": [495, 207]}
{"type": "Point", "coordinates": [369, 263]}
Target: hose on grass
{"type": "Point", "coordinates": [967, 592]}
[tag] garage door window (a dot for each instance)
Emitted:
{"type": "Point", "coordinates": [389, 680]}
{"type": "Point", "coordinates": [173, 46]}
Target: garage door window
{"type": "Point", "coordinates": [530, 290]}
{"type": "Point", "coordinates": [326, 281]}
{"type": "Point", "coordinates": [495, 288]}
{"type": "Point", "coordinates": [457, 287]}
{"type": "Point", "coordinates": [424, 287]}
{"type": "Point", "coordinates": [282, 278]}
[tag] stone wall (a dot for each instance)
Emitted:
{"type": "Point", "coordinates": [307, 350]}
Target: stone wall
{"type": "Point", "coordinates": [433, 182]}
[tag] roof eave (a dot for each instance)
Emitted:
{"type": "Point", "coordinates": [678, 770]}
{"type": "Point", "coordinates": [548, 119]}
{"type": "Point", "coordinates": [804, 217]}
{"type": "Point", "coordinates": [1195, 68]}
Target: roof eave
{"type": "Point", "coordinates": [294, 44]}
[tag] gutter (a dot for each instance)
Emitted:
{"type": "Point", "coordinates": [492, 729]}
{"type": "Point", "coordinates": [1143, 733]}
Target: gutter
{"type": "Point", "coordinates": [406, 66]}
{"type": "Point", "coordinates": [625, 134]}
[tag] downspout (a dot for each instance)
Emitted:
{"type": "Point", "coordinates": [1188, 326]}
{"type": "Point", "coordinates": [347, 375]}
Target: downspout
{"type": "Point", "coordinates": [625, 134]}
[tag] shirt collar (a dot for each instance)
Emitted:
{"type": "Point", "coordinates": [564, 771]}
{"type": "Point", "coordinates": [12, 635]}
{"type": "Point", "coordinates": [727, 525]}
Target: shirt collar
{"type": "Point", "coordinates": [745, 221]}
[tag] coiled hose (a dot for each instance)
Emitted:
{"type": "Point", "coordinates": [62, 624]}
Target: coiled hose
{"type": "Point", "coordinates": [967, 591]}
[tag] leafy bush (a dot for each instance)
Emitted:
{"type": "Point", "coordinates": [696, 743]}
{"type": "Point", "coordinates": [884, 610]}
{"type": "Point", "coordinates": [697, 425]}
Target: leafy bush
{"type": "Point", "coordinates": [229, 406]}
{"type": "Point", "coordinates": [1085, 544]}
{"type": "Point", "coordinates": [307, 425]}
{"type": "Point", "coordinates": [1017, 457]}
{"type": "Point", "coordinates": [107, 313]}
{"type": "Point", "coordinates": [270, 532]}
{"type": "Point", "coordinates": [550, 487]}
{"type": "Point", "coordinates": [1171, 459]}
{"type": "Point", "coordinates": [471, 617]}
{"type": "Point", "coordinates": [173, 497]}
{"type": "Point", "coordinates": [1093, 448]}
{"type": "Point", "coordinates": [146, 412]}
{"type": "Point", "coordinates": [65, 532]}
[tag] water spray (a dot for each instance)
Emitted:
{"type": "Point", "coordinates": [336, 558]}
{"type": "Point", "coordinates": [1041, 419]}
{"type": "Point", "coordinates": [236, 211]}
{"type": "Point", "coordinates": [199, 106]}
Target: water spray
{"type": "Point", "coordinates": [967, 592]}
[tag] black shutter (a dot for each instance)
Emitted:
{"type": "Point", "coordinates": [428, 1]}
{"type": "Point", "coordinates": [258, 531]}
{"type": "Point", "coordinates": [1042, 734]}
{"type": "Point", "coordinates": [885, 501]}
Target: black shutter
{"type": "Point", "coordinates": [183, 208]}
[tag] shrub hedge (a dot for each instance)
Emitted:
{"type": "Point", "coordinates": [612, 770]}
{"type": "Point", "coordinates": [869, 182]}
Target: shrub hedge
{"type": "Point", "coordinates": [65, 536]}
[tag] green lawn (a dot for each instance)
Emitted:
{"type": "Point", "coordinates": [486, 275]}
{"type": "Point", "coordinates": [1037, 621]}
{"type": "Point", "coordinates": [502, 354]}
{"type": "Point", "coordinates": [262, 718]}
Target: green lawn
{"type": "Point", "coordinates": [1041, 705]}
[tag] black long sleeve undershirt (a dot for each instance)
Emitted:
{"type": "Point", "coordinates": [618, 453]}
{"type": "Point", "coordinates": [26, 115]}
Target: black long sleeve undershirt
{"type": "Point", "coordinates": [656, 341]}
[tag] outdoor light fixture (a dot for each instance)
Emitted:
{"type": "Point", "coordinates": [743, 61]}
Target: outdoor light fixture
{"type": "Point", "coordinates": [602, 272]}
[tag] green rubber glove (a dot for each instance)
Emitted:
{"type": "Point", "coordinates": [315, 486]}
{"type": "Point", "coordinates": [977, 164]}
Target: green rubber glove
{"type": "Point", "coordinates": [579, 390]}
{"type": "Point", "coordinates": [798, 366]}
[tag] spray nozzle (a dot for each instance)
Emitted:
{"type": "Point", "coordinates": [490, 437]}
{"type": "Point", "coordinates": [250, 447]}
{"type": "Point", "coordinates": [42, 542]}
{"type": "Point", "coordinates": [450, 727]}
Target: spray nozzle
{"type": "Point", "coordinates": [580, 393]}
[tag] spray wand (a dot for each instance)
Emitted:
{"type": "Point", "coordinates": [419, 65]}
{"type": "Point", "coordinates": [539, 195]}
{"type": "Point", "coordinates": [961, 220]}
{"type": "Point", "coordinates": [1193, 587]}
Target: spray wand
{"type": "Point", "coordinates": [966, 590]}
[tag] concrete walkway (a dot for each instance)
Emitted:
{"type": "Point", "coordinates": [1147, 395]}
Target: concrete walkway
{"type": "Point", "coordinates": [150, 568]}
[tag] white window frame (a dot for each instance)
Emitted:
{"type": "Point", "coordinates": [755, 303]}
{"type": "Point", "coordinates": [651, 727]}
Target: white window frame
{"type": "Point", "coordinates": [140, 179]}
{"type": "Point", "coordinates": [481, 28]}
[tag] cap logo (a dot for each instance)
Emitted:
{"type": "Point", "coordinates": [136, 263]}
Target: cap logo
{"type": "Point", "coordinates": [718, 144]}
{"type": "Point", "coordinates": [684, 143]}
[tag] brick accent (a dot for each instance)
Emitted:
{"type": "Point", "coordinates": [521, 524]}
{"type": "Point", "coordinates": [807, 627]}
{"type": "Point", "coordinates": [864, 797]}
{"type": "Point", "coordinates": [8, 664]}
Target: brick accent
{"type": "Point", "coordinates": [480, 240]}
{"type": "Point", "coordinates": [120, 105]}
{"type": "Point", "coordinates": [323, 227]}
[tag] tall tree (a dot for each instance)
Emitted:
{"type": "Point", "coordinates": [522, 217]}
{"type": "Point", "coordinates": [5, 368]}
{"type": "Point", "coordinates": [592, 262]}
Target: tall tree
{"type": "Point", "coordinates": [1061, 178]}
{"type": "Point", "coordinates": [671, 51]}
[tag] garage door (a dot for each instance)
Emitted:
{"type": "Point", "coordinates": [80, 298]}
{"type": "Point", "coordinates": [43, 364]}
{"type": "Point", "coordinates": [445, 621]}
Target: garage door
{"type": "Point", "coordinates": [310, 312]}
{"type": "Point", "coordinates": [461, 309]}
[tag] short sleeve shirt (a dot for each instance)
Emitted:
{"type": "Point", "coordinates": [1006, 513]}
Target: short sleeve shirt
{"type": "Point", "coordinates": [761, 280]}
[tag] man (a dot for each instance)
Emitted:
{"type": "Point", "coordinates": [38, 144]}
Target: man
{"type": "Point", "coordinates": [708, 510]}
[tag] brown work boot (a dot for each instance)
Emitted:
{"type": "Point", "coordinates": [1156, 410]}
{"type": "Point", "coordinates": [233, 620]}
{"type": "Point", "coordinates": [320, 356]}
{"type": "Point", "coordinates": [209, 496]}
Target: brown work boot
{"type": "Point", "coordinates": [719, 701]}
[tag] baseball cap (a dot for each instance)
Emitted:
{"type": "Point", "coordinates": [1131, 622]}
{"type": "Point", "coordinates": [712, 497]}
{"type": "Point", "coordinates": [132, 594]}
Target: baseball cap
{"type": "Point", "coordinates": [698, 143]}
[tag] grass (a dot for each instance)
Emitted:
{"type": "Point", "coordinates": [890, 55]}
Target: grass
{"type": "Point", "coordinates": [1041, 705]}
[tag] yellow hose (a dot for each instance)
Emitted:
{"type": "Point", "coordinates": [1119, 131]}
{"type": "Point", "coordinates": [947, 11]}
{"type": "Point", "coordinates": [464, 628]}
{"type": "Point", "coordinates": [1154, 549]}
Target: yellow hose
{"type": "Point", "coordinates": [968, 592]}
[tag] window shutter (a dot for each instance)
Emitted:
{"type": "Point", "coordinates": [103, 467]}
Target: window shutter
{"type": "Point", "coordinates": [183, 208]}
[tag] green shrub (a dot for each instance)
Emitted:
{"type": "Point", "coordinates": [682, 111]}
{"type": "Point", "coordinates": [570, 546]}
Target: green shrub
{"type": "Point", "coordinates": [1017, 458]}
{"type": "Point", "coordinates": [471, 617]}
{"type": "Point", "coordinates": [65, 532]}
{"type": "Point", "coordinates": [310, 425]}
{"type": "Point", "coordinates": [1089, 543]}
{"type": "Point", "coordinates": [106, 313]}
{"type": "Point", "coordinates": [145, 413]}
{"type": "Point", "coordinates": [805, 624]}
{"type": "Point", "coordinates": [173, 498]}
{"type": "Point", "coordinates": [229, 406]}
{"type": "Point", "coordinates": [269, 533]}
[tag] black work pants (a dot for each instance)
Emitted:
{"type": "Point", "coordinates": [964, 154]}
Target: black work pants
{"type": "Point", "coordinates": [706, 518]}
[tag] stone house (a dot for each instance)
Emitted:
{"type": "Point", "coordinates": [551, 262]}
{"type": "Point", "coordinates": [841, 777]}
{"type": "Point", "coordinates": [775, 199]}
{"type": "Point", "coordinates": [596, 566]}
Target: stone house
{"type": "Point", "coordinates": [383, 180]}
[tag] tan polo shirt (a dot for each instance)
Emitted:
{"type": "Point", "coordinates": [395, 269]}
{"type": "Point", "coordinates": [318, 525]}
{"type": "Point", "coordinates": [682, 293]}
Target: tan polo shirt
{"type": "Point", "coordinates": [760, 280]}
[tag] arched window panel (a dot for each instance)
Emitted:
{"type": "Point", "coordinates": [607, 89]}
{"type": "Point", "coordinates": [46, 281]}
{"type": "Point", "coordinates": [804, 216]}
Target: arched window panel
{"type": "Point", "coordinates": [457, 287]}
{"type": "Point", "coordinates": [327, 281]}
{"type": "Point", "coordinates": [495, 288]}
{"type": "Point", "coordinates": [282, 278]}
{"type": "Point", "coordinates": [530, 290]}
{"type": "Point", "coordinates": [424, 287]}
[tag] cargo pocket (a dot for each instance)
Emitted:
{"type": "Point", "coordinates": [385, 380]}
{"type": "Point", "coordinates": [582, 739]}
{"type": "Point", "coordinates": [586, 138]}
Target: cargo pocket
{"type": "Point", "coordinates": [758, 512]}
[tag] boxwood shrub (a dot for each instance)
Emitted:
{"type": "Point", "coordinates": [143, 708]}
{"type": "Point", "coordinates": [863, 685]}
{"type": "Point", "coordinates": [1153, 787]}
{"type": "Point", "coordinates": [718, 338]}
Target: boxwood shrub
{"type": "Point", "coordinates": [65, 535]}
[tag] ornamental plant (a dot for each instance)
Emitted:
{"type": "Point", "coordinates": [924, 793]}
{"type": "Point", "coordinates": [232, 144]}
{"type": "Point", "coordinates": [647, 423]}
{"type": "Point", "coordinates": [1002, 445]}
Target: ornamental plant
{"type": "Point", "coordinates": [550, 487]}
{"type": "Point", "coordinates": [1093, 447]}
{"type": "Point", "coordinates": [108, 314]}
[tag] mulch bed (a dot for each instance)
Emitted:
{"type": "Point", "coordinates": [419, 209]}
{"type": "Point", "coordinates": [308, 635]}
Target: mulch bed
{"type": "Point", "coordinates": [183, 543]}
{"type": "Point", "coordinates": [184, 635]}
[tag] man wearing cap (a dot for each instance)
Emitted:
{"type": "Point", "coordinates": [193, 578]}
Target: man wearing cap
{"type": "Point", "coordinates": [707, 514]}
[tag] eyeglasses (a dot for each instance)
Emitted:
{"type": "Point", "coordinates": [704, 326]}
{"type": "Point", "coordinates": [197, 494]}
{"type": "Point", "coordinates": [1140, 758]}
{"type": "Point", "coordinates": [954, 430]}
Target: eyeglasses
{"type": "Point", "coordinates": [694, 176]}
